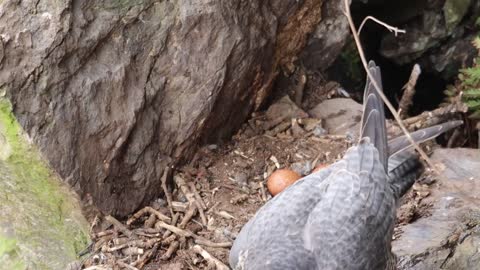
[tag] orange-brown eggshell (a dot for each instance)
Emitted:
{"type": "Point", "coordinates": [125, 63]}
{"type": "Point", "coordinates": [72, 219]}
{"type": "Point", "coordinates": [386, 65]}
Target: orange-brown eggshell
{"type": "Point", "coordinates": [280, 180]}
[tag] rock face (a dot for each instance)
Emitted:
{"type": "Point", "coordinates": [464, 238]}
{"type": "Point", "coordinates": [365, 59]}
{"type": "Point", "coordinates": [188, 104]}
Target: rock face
{"type": "Point", "coordinates": [112, 92]}
{"type": "Point", "coordinates": [41, 224]}
{"type": "Point", "coordinates": [438, 35]}
{"type": "Point", "coordinates": [449, 237]}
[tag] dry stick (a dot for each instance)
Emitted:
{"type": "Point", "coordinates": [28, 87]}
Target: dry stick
{"type": "Point", "coordinates": [389, 27]}
{"type": "Point", "coordinates": [146, 257]}
{"type": "Point", "coordinates": [208, 257]}
{"type": "Point", "coordinates": [174, 223]}
{"type": "Point", "coordinates": [191, 212]}
{"type": "Point", "coordinates": [171, 249]}
{"type": "Point", "coordinates": [389, 105]}
{"type": "Point", "coordinates": [300, 88]}
{"type": "Point", "coordinates": [148, 210]}
{"type": "Point", "coordinates": [119, 226]}
{"type": "Point", "coordinates": [126, 265]}
{"type": "Point", "coordinates": [169, 240]}
{"type": "Point", "coordinates": [382, 95]}
{"type": "Point", "coordinates": [102, 234]}
{"type": "Point", "coordinates": [437, 113]}
{"type": "Point", "coordinates": [186, 233]}
{"type": "Point", "coordinates": [190, 197]}
{"type": "Point", "coordinates": [168, 195]}
{"type": "Point", "coordinates": [197, 195]}
{"type": "Point", "coordinates": [150, 222]}
{"type": "Point", "coordinates": [409, 88]}
{"type": "Point", "coordinates": [213, 245]}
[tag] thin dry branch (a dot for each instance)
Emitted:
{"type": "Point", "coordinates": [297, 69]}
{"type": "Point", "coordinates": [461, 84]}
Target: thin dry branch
{"type": "Point", "coordinates": [209, 258]}
{"type": "Point", "coordinates": [190, 197]}
{"type": "Point", "coordinates": [168, 195]}
{"type": "Point", "coordinates": [148, 210]}
{"type": "Point", "coordinates": [409, 88]}
{"type": "Point", "coordinates": [389, 27]}
{"type": "Point", "coordinates": [377, 87]}
{"type": "Point", "coordinates": [119, 226]}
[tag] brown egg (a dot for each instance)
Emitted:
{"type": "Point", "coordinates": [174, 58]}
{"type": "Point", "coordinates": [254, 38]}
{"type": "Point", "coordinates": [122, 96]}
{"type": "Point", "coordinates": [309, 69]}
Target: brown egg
{"type": "Point", "coordinates": [280, 180]}
{"type": "Point", "coordinates": [319, 167]}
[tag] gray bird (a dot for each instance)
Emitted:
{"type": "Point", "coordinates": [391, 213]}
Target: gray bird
{"type": "Point", "coordinates": [343, 216]}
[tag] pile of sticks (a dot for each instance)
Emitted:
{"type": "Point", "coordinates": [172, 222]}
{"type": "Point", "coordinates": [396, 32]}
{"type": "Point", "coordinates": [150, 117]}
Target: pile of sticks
{"type": "Point", "coordinates": [150, 235]}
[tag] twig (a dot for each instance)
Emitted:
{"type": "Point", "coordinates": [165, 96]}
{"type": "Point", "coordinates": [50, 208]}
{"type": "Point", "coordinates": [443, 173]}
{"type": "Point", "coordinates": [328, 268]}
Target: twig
{"type": "Point", "coordinates": [209, 258]}
{"type": "Point", "coordinates": [175, 230]}
{"type": "Point", "coordinates": [179, 206]}
{"type": "Point", "coordinates": [148, 210]}
{"type": "Point", "coordinates": [169, 240]}
{"type": "Point", "coordinates": [168, 195]}
{"type": "Point", "coordinates": [126, 265]}
{"type": "Point", "coordinates": [171, 249]}
{"type": "Point", "coordinates": [279, 128]}
{"type": "Point", "coordinates": [190, 197]}
{"type": "Point", "coordinates": [409, 88]}
{"type": "Point", "coordinates": [129, 251]}
{"type": "Point", "coordinates": [146, 257]}
{"type": "Point", "coordinates": [119, 226]}
{"type": "Point", "coordinates": [262, 191]}
{"type": "Point", "coordinates": [434, 117]}
{"type": "Point", "coordinates": [207, 243]}
{"type": "Point", "coordinates": [300, 88]}
{"type": "Point", "coordinates": [150, 222]}
{"type": "Point", "coordinates": [389, 27]}
{"type": "Point", "coordinates": [197, 195]}
{"type": "Point", "coordinates": [96, 267]}
{"type": "Point", "coordinates": [174, 223]}
{"type": "Point", "coordinates": [377, 87]}
{"type": "Point", "coordinates": [191, 212]}
{"type": "Point", "coordinates": [102, 234]}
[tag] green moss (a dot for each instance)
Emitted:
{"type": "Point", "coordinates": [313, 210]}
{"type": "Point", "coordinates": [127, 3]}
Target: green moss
{"type": "Point", "coordinates": [9, 254]}
{"type": "Point", "coordinates": [49, 229]}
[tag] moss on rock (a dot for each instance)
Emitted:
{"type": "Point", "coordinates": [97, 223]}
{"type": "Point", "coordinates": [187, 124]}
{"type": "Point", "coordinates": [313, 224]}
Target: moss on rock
{"type": "Point", "coordinates": [41, 224]}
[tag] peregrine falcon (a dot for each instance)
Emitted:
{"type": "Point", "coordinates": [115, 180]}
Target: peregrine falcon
{"type": "Point", "coordinates": [341, 217]}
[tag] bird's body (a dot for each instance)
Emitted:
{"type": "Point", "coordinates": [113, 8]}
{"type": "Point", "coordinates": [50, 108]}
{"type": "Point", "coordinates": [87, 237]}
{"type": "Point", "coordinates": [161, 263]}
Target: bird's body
{"type": "Point", "coordinates": [341, 217]}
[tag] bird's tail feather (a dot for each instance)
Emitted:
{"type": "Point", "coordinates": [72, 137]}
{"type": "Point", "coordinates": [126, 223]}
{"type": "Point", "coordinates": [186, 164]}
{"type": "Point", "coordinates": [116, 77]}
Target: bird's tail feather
{"type": "Point", "coordinates": [402, 143]}
{"type": "Point", "coordinates": [373, 117]}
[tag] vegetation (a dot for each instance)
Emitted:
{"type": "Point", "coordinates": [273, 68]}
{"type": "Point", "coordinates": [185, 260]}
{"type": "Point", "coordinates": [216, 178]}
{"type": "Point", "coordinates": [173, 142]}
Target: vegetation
{"type": "Point", "coordinates": [468, 86]}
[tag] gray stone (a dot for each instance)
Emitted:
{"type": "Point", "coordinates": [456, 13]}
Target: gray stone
{"type": "Point", "coordinates": [449, 237]}
{"type": "Point", "coordinates": [340, 115]}
{"type": "Point", "coordinates": [112, 92]}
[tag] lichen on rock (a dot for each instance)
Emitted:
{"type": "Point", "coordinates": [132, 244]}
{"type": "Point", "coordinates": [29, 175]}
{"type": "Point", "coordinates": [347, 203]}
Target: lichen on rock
{"type": "Point", "coordinates": [41, 226]}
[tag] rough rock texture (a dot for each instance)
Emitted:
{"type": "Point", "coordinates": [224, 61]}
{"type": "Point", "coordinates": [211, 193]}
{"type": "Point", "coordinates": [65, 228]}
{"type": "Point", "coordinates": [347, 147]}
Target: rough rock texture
{"type": "Point", "coordinates": [438, 35]}
{"type": "Point", "coordinates": [114, 91]}
{"type": "Point", "coordinates": [41, 223]}
{"type": "Point", "coordinates": [328, 39]}
{"type": "Point", "coordinates": [449, 237]}
{"type": "Point", "coordinates": [342, 116]}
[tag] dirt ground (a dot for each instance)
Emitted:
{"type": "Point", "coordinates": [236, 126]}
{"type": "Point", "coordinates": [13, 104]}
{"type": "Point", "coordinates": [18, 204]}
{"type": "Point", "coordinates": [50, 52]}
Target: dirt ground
{"type": "Point", "coordinates": [213, 196]}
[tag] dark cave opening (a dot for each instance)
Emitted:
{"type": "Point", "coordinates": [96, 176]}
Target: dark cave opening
{"type": "Point", "coordinates": [430, 85]}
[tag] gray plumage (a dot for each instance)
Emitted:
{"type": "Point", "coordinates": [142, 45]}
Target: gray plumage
{"type": "Point", "coordinates": [341, 217]}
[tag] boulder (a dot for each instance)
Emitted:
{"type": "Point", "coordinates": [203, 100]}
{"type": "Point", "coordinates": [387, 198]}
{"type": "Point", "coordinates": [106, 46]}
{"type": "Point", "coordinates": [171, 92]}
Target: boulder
{"type": "Point", "coordinates": [113, 92]}
{"type": "Point", "coordinates": [447, 238]}
{"type": "Point", "coordinates": [341, 116]}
